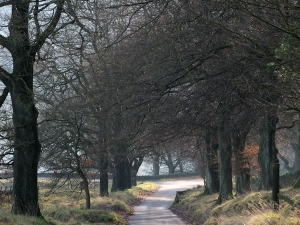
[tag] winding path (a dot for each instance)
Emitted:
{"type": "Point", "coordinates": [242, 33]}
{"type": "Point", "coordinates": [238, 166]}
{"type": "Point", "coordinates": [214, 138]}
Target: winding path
{"type": "Point", "coordinates": [155, 209]}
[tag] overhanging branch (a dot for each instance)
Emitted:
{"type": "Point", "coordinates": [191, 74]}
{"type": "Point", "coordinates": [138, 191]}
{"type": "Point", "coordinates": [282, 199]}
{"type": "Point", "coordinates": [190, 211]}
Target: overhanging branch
{"type": "Point", "coordinates": [50, 29]}
{"type": "Point", "coordinates": [5, 77]}
{"type": "Point", "coordinates": [3, 96]}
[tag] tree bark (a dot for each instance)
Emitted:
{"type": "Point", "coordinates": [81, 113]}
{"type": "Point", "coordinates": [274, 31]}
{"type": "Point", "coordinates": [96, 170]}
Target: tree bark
{"type": "Point", "coordinates": [26, 153]}
{"type": "Point", "coordinates": [128, 174]}
{"type": "Point", "coordinates": [155, 165]}
{"type": "Point", "coordinates": [103, 175]}
{"type": "Point", "coordinates": [180, 166]}
{"type": "Point", "coordinates": [297, 149]}
{"type": "Point", "coordinates": [170, 164]}
{"type": "Point", "coordinates": [27, 145]}
{"type": "Point", "coordinates": [103, 155]}
{"type": "Point", "coordinates": [267, 149]}
{"type": "Point", "coordinates": [137, 162]}
{"type": "Point", "coordinates": [85, 183]}
{"type": "Point", "coordinates": [275, 187]}
{"type": "Point", "coordinates": [122, 174]}
{"type": "Point", "coordinates": [225, 153]}
{"type": "Point", "coordinates": [212, 183]}
{"type": "Point", "coordinates": [133, 178]}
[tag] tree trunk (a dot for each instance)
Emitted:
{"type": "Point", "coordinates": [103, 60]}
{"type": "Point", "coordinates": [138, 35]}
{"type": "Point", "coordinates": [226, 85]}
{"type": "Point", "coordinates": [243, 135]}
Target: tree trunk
{"type": "Point", "coordinates": [27, 146]}
{"type": "Point", "coordinates": [103, 175]}
{"type": "Point", "coordinates": [85, 183]}
{"type": "Point", "coordinates": [119, 178]}
{"type": "Point", "coordinates": [225, 152]}
{"type": "Point", "coordinates": [275, 187]}
{"type": "Point", "coordinates": [171, 169]}
{"type": "Point", "coordinates": [297, 149]}
{"type": "Point", "coordinates": [155, 165]}
{"type": "Point", "coordinates": [242, 169]}
{"type": "Point", "coordinates": [181, 167]}
{"type": "Point", "coordinates": [128, 174]}
{"type": "Point", "coordinates": [133, 178]}
{"type": "Point", "coordinates": [212, 183]}
{"type": "Point", "coordinates": [267, 150]}
{"type": "Point", "coordinates": [170, 164]}
{"type": "Point", "coordinates": [23, 49]}
{"type": "Point", "coordinates": [137, 162]}
{"type": "Point", "coordinates": [103, 155]}
{"type": "Point", "coordinates": [122, 174]}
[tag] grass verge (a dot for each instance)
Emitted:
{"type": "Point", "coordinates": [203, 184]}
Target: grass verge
{"type": "Point", "coordinates": [65, 207]}
{"type": "Point", "coordinates": [253, 208]}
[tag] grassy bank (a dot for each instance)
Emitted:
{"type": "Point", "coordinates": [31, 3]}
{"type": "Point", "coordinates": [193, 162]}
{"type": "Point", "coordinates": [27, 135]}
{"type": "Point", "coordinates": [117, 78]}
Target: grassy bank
{"type": "Point", "coordinates": [253, 208]}
{"type": "Point", "coordinates": [67, 207]}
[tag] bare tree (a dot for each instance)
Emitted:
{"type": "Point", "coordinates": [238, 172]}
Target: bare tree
{"type": "Point", "coordinates": [24, 35]}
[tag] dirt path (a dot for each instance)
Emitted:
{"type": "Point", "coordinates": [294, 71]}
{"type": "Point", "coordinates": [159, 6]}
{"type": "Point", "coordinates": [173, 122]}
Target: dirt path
{"type": "Point", "coordinates": [155, 209]}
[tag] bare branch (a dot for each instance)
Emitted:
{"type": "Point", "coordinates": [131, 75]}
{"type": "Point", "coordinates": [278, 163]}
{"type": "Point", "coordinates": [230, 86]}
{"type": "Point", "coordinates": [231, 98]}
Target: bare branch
{"type": "Point", "coordinates": [5, 3]}
{"type": "Point", "coordinates": [5, 77]}
{"type": "Point", "coordinates": [128, 5]}
{"type": "Point", "coordinates": [3, 41]}
{"type": "Point", "coordinates": [49, 30]}
{"type": "Point", "coordinates": [3, 96]}
{"type": "Point", "coordinates": [288, 127]}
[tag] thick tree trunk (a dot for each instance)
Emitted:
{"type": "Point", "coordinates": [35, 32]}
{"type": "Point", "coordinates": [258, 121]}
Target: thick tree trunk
{"type": "Point", "coordinates": [122, 174]}
{"type": "Point", "coordinates": [27, 146]}
{"type": "Point", "coordinates": [103, 175]}
{"type": "Point", "coordinates": [128, 174]}
{"type": "Point", "coordinates": [171, 169]}
{"type": "Point", "coordinates": [27, 149]}
{"type": "Point", "coordinates": [119, 180]}
{"type": "Point", "coordinates": [225, 153]}
{"type": "Point", "coordinates": [267, 150]}
{"type": "Point", "coordinates": [170, 164]}
{"type": "Point", "coordinates": [155, 165]}
{"type": "Point", "coordinates": [212, 183]}
{"type": "Point", "coordinates": [104, 158]}
{"type": "Point", "coordinates": [296, 166]}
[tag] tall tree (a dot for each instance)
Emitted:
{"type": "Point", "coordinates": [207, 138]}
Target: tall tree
{"type": "Point", "coordinates": [24, 38]}
{"type": "Point", "coordinates": [212, 183]}
{"type": "Point", "coordinates": [267, 149]}
{"type": "Point", "coordinates": [225, 151]}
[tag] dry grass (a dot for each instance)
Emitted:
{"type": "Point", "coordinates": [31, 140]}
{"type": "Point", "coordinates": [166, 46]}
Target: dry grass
{"type": "Point", "coordinates": [253, 208]}
{"type": "Point", "coordinates": [66, 207]}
